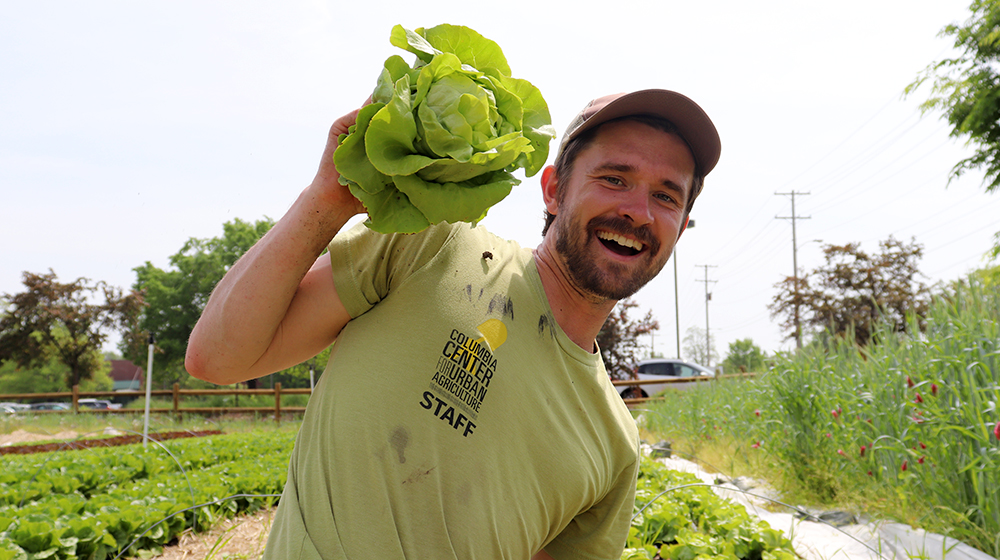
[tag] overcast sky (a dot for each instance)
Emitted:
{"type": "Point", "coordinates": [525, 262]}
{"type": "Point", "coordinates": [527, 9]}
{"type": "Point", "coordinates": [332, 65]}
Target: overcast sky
{"type": "Point", "coordinates": [128, 127]}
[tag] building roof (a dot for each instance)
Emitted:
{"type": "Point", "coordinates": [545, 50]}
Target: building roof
{"type": "Point", "coordinates": [125, 371]}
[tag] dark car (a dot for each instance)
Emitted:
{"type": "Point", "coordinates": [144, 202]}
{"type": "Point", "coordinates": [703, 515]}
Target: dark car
{"type": "Point", "coordinates": [49, 406]}
{"type": "Point", "coordinates": [663, 368]}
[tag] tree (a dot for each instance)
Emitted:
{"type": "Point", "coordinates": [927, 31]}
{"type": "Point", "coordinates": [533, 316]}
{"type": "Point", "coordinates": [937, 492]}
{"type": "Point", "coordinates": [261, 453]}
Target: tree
{"type": "Point", "coordinates": [698, 347]}
{"type": "Point", "coordinates": [744, 356]}
{"type": "Point", "coordinates": [51, 319]}
{"type": "Point", "coordinates": [619, 339]}
{"type": "Point", "coordinates": [853, 291]}
{"type": "Point", "coordinates": [177, 297]}
{"type": "Point", "coordinates": [966, 89]}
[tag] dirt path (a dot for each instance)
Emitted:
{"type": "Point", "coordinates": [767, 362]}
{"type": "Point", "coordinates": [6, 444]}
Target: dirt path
{"type": "Point", "coordinates": [240, 538]}
{"type": "Point", "coordinates": [22, 436]}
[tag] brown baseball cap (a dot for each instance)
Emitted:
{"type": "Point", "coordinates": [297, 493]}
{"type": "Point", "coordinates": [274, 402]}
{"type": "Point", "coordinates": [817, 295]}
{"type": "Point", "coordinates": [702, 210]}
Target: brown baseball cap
{"type": "Point", "coordinates": [691, 121]}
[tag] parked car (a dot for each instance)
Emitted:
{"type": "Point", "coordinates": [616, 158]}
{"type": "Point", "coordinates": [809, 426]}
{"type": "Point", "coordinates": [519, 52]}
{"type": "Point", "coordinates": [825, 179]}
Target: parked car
{"type": "Point", "coordinates": [97, 404]}
{"type": "Point", "coordinates": [49, 406]}
{"type": "Point", "coordinates": [11, 407]}
{"type": "Point", "coordinates": [663, 368]}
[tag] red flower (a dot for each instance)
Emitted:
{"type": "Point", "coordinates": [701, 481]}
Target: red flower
{"type": "Point", "coordinates": [922, 445]}
{"type": "Point", "coordinates": [996, 431]}
{"type": "Point", "coordinates": [757, 412]}
{"type": "Point", "coordinates": [921, 460]}
{"type": "Point", "coordinates": [756, 445]}
{"type": "Point", "coordinates": [841, 452]}
{"type": "Point", "coordinates": [903, 468]}
{"type": "Point", "coordinates": [909, 381]}
{"type": "Point", "coordinates": [834, 413]}
{"type": "Point", "coordinates": [934, 389]}
{"type": "Point", "coordinates": [869, 473]}
{"type": "Point", "coordinates": [919, 399]}
{"type": "Point", "coordinates": [863, 450]}
{"type": "Point", "coordinates": [829, 435]}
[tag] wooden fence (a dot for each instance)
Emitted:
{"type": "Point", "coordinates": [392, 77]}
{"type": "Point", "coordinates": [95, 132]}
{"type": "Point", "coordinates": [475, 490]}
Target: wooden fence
{"type": "Point", "coordinates": [176, 393]}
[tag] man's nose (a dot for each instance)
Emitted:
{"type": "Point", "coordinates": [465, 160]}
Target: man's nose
{"type": "Point", "coordinates": [636, 207]}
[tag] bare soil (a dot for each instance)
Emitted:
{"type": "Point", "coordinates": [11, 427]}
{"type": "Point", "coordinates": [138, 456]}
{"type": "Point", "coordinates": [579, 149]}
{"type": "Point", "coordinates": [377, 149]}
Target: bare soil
{"type": "Point", "coordinates": [112, 441]}
{"type": "Point", "coordinates": [240, 538]}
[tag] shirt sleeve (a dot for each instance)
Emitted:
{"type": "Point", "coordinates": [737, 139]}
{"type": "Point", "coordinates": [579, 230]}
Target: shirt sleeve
{"type": "Point", "coordinates": [368, 265]}
{"type": "Point", "coordinates": [601, 531]}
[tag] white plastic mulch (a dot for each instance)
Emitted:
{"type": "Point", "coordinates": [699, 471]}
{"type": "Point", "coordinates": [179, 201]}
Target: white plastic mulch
{"type": "Point", "coordinates": [820, 541]}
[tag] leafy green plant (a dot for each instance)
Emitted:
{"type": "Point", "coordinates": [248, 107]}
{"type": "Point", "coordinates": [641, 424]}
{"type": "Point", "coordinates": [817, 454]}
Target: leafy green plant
{"type": "Point", "coordinates": [440, 138]}
{"type": "Point", "coordinates": [679, 517]}
{"type": "Point", "coordinates": [143, 501]}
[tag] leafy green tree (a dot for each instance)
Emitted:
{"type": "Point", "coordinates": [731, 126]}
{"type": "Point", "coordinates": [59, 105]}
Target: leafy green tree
{"type": "Point", "coordinates": [744, 356]}
{"type": "Point", "coordinates": [51, 319]}
{"type": "Point", "coordinates": [855, 290]}
{"type": "Point", "coordinates": [176, 297]}
{"type": "Point", "coordinates": [619, 338]}
{"type": "Point", "coordinates": [966, 90]}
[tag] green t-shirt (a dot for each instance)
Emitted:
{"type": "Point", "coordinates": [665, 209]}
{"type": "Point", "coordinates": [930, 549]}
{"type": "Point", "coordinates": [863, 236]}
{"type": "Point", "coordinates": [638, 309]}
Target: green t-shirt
{"type": "Point", "coordinates": [455, 419]}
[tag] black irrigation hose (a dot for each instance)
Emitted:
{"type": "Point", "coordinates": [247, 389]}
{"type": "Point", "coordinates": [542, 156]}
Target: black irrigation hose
{"type": "Point", "coordinates": [145, 437]}
{"type": "Point", "coordinates": [779, 502]}
{"type": "Point", "coordinates": [185, 510]}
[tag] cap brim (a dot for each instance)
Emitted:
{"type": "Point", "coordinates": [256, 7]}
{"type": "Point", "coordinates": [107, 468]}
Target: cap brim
{"type": "Point", "coordinates": [691, 121]}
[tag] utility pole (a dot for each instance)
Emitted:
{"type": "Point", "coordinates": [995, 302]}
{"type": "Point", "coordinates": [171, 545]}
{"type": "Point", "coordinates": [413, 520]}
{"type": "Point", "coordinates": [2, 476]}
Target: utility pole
{"type": "Point", "coordinates": [677, 299]}
{"type": "Point", "coordinates": [708, 297]}
{"type": "Point", "coordinates": [795, 264]}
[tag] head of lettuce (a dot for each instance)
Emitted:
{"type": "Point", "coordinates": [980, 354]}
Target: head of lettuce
{"type": "Point", "coordinates": [440, 139]}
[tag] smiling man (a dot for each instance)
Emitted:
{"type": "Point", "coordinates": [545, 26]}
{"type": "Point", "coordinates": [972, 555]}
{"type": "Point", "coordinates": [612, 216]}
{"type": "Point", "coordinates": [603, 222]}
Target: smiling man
{"type": "Point", "coordinates": [465, 411]}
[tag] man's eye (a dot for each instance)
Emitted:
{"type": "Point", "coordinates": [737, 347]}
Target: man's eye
{"type": "Point", "coordinates": [665, 197]}
{"type": "Point", "coordinates": [614, 180]}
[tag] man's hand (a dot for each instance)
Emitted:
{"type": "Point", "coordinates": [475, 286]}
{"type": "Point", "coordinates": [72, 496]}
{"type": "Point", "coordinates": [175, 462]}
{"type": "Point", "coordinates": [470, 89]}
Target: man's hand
{"type": "Point", "coordinates": [327, 179]}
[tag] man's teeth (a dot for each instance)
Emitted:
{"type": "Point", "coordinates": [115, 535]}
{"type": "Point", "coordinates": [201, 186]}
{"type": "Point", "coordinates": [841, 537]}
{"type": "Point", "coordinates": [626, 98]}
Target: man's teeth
{"type": "Point", "coordinates": [623, 241]}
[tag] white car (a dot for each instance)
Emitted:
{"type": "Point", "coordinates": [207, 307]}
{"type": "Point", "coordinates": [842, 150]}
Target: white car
{"type": "Point", "coordinates": [98, 404]}
{"type": "Point", "coordinates": [663, 368]}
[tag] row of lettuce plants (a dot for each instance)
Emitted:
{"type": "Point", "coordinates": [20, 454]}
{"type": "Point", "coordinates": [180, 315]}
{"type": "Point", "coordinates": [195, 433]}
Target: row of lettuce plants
{"type": "Point", "coordinates": [677, 516]}
{"type": "Point", "coordinates": [103, 502]}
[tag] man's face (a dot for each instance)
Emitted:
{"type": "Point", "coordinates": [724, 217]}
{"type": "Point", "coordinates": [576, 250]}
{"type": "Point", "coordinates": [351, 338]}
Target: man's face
{"type": "Point", "coordinates": [622, 209]}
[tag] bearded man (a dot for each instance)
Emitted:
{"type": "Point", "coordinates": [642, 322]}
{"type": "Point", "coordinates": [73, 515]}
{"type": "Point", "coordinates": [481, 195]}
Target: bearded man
{"type": "Point", "coordinates": [465, 411]}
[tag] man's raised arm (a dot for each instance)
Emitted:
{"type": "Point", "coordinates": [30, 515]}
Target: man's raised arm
{"type": "Point", "coordinates": [277, 306]}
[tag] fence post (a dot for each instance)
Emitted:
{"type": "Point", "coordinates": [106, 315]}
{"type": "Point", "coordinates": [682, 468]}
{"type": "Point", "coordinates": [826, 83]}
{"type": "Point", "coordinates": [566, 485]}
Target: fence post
{"type": "Point", "coordinates": [177, 401]}
{"type": "Point", "coordinates": [277, 403]}
{"type": "Point", "coordinates": [76, 399]}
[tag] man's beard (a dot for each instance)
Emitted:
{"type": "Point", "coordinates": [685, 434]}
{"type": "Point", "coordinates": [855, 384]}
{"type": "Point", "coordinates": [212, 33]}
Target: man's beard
{"type": "Point", "coordinates": [616, 281]}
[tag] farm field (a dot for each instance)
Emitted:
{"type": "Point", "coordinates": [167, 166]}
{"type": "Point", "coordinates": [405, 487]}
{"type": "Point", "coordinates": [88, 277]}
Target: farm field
{"type": "Point", "coordinates": [905, 429]}
{"type": "Point", "coordinates": [98, 502]}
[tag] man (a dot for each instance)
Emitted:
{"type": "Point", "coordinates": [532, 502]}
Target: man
{"type": "Point", "coordinates": [465, 411]}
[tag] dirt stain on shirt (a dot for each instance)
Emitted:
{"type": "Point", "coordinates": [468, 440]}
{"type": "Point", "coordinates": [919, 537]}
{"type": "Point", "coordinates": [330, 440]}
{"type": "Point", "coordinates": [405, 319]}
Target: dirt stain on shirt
{"type": "Point", "coordinates": [399, 439]}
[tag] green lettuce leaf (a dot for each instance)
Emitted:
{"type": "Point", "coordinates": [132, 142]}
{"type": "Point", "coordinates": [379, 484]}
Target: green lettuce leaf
{"type": "Point", "coordinates": [441, 138]}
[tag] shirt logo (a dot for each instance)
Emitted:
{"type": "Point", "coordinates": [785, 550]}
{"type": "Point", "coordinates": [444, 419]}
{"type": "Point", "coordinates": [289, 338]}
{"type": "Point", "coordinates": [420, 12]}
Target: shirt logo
{"type": "Point", "coordinates": [463, 375]}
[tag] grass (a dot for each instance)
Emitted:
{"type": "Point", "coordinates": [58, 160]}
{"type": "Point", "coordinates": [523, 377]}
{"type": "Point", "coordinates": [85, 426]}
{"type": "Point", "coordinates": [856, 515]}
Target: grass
{"type": "Point", "coordinates": [902, 429]}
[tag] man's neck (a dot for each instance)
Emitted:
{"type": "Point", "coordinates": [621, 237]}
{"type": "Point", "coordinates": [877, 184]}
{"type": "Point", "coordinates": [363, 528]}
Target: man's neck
{"type": "Point", "coordinates": [579, 315]}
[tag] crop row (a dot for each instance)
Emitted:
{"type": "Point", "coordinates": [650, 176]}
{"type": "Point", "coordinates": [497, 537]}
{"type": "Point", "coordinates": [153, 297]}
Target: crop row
{"type": "Point", "coordinates": [98, 503]}
{"type": "Point", "coordinates": [677, 516]}
{"type": "Point", "coordinates": [144, 503]}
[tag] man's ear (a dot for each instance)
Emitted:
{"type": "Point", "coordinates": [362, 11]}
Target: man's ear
{"type": "Point", "coordinates": [550, 182]}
